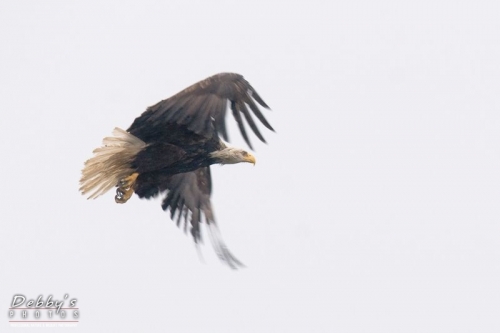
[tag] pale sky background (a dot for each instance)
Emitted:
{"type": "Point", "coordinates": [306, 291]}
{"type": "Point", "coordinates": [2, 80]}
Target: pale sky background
{"type": "Point", "coordinates": [374, 208]}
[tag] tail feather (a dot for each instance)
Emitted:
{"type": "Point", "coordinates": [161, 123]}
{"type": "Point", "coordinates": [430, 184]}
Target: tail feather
{"type": "Point", "coordinates": [110, 163]}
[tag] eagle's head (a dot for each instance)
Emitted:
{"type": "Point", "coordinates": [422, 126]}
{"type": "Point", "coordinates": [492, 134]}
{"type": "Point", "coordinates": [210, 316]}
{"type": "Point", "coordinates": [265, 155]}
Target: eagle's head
{"type": "Point", "coordinates": [232, 155]}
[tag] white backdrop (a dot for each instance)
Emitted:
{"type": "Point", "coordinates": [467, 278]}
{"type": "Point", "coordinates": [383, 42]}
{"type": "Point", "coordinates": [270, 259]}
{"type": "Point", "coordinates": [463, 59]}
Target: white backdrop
{"type": "Point", "coordinates": [374, 208]}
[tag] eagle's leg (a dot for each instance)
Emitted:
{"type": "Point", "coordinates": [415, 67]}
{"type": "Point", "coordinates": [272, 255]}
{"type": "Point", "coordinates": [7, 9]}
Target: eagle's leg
{"type": "Point", "coordinates": [126, 188]}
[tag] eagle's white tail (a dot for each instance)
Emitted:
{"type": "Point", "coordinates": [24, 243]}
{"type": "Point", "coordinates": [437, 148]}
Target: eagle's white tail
{"type": "Point", "coordinates": [110, 163]}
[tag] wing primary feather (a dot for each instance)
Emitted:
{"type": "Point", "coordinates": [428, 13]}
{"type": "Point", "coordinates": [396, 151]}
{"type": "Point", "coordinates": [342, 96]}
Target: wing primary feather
{"type": "Point", "coordinates": [181, 205]}
{"type": "Point", "coordinates": [176, 198]}
{"type": "Point", "coordinates": [242, 107]}
{"type": "Point", "coordinates": [186, 213]}
{"type": "Point", "coordinates": [237, 116]}
{"type": "Point", "coordinates": [195, 224]}
{"type": "Point", "coordinates": [256, 111]}
{"type": "Point", "coordinates": [166, 202]}
{"type": "Point", "coordinates": [220, 247]}
{"type": "Point", "coordinates": [173, 205]}
{"type": "Point", "coordinates": [257, 96]}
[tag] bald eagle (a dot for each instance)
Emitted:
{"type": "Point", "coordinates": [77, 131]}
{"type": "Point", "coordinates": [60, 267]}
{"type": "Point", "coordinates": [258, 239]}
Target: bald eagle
{"type": "Point", "coordinates": [168, 151]}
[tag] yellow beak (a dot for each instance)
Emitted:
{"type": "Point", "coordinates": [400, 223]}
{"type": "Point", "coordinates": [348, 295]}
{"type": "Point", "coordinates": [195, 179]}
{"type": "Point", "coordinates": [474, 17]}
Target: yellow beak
{"type": "Point", "coordinates": [250, 159]}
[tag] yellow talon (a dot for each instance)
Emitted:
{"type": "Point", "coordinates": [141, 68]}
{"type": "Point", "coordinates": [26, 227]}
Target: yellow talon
{"type": "Point", "coordinates": [126, 188]}
{"type": "Point", "coordinates": [129, 181]}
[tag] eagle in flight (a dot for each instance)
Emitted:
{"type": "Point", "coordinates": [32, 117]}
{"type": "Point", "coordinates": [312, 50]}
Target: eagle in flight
{"type": "Point", "coordinates": [169, 149]}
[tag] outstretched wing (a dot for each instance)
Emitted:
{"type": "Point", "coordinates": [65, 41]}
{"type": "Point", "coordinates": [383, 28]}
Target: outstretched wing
{"type": "Point", "coordinates": [188, 199]}
{"type": "Point", "coordinates": [202, 109]}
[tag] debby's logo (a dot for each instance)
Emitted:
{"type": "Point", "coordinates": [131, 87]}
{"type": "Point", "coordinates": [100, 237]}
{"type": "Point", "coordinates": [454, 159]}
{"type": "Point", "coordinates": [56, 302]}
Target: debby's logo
{"type": "Point", "coordinates": [48, 310]}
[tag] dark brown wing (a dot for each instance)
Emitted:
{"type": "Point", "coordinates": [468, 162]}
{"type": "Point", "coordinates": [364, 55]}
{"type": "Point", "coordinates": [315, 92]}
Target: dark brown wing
{"type": "Point", "coordinates": [188, 198]}
{"type": "Point", "coordinates": [202, 109]}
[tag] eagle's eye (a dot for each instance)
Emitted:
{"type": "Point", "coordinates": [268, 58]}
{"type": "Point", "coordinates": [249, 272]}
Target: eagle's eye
{"type": "Point", "coordinates": [245, 153]}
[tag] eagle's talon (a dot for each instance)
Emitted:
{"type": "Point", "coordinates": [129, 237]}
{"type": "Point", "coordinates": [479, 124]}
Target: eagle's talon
{"type": "Point", "coordinates": [122, 197]}
{"type": "Point", "coordinates": [129, 181]}
{"type": "Point", "coordinates": [125, 188]}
